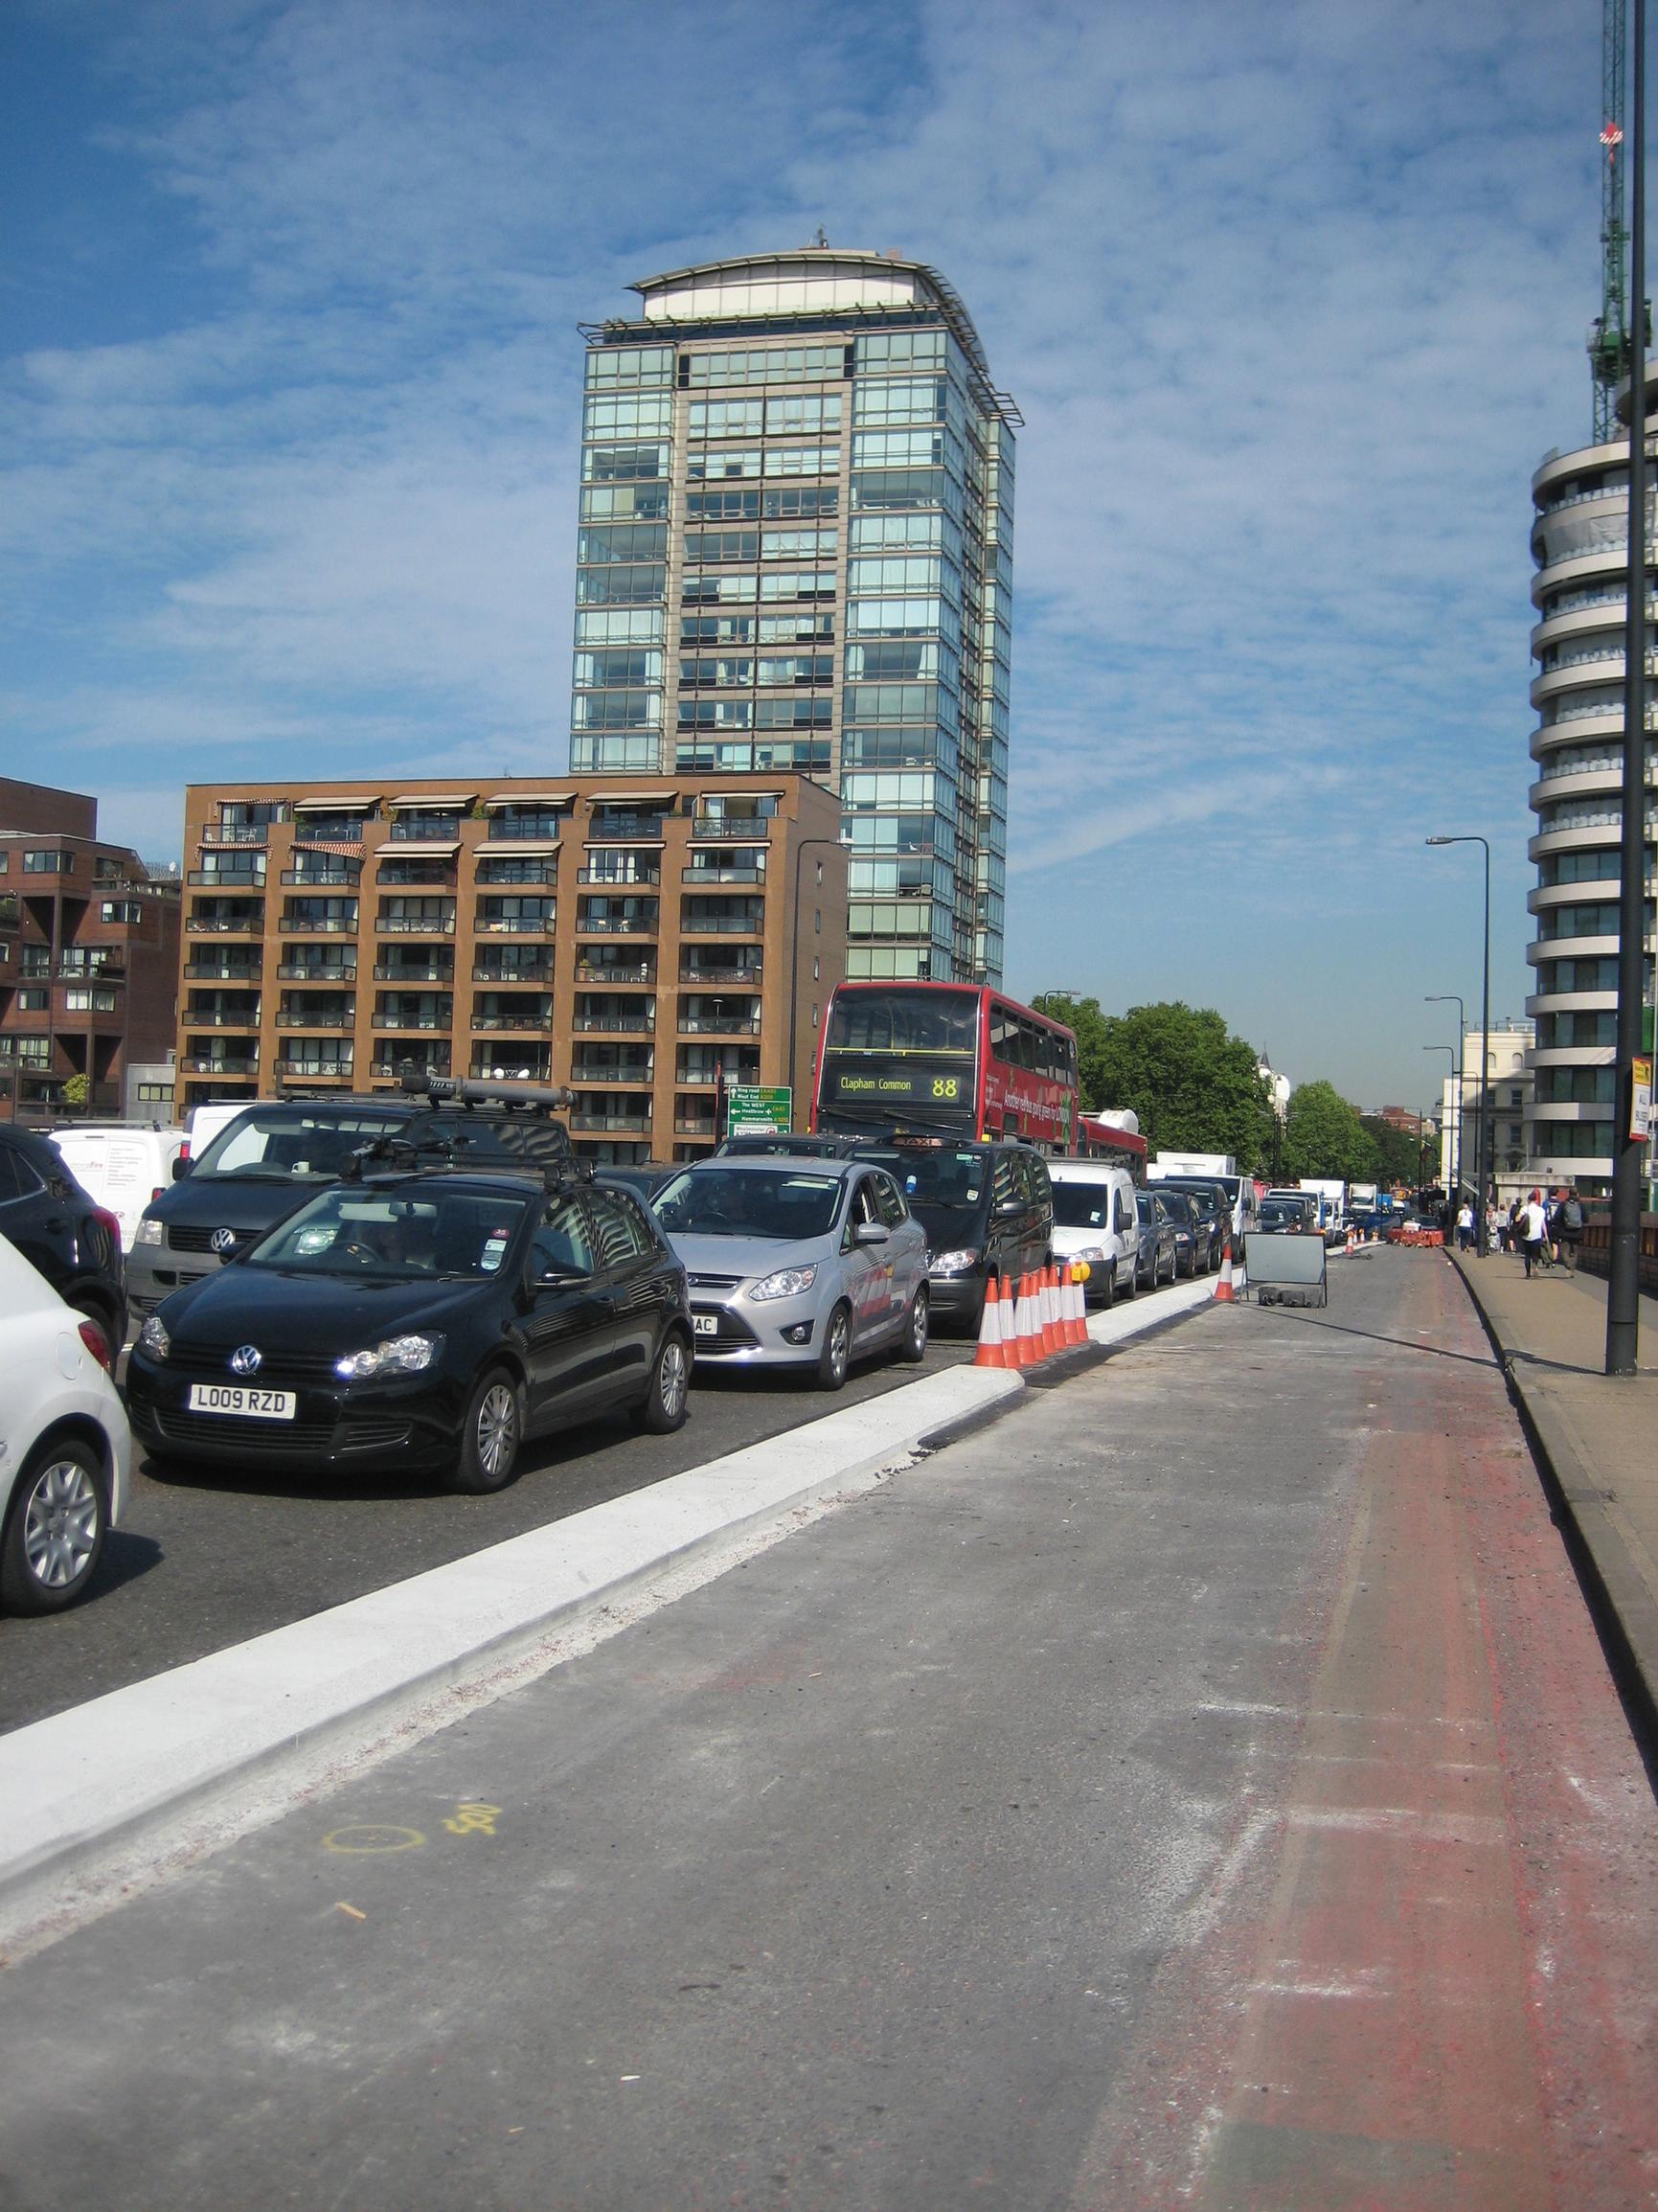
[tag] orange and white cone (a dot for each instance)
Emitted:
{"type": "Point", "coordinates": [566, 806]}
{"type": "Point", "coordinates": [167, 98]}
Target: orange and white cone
{"type": "Point", "coordinates": [1224, 1293]}
{"type": "Point", "coordinates": [1009, 1318]}
{"type": "Point", "coordinates": [1078, 1298]}
{"type": "Point", "coordinates": [1051, 1339]}
{"type": "Point", "coordinates": [991, 1351]}
{"type": "Point", "coordinates": [1024, 1353]}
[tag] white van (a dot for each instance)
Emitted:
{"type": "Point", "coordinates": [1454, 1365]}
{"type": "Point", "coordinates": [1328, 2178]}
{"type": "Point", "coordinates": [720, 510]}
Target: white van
{"type": "Point", "coordinates": [205, 1122]}
{"type": "Point", "coordinates": [1095, 1220]}
{"type": "Point", "coordinates": [123, 1164]}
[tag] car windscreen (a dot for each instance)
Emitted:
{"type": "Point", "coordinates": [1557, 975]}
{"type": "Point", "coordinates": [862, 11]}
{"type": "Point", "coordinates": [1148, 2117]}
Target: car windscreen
{"type": "Point", "coordinates": [782, 1201]}
{"type": "Point", "coordinates": [939, 1175]}
{"type": "Point", "coordinates": [280, 1144]}
{"type": "Point", "coordinates": [395, 1236]}
{"type": "Point", "coordinates": [1180, 1207]}
{"type": "Point", "coordinates": [1081, 1205]}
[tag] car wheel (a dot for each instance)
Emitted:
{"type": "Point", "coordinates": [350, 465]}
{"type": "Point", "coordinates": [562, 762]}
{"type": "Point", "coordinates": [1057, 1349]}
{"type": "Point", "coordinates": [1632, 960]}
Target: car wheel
{"type": "Point", "coordinates": [664, 1409]}
{"type": "Point", "coordinates": [1108, 1276]}
{"type": "Point", "coordinates": [54, 1531]}
{"type": "Point", "coordinates": [835, 1357]}
{"type": "Point", "coordinates": [490, 1434]}
{"type": "Point", "coordinates": [913, 1346]}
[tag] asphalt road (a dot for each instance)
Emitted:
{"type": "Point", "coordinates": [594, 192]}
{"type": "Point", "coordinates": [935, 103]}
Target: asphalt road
{"type": "Point", "coordinates": [206, 1558]}
{"type": "Point", "coordinates": [1202, 1786]}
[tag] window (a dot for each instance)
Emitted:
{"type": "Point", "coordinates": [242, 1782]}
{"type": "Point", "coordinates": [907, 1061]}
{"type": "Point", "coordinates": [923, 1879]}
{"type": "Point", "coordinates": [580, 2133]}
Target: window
{"type": "Point", "coordinates": [86, 1001]}
{"type": "Point", "coordinates": [562, 1245]}
{"type": "Point", "coordinates": [722, 507]}
{"type": "Point", "coordinates": [764, 365]}
{"type": "Point", "coordinates": [797, 416]}
{"type": "Point", "coordinates": [799, 584]}
{"type": "Point", "coordinates": [903, 400]}
{"type": "Point", "coordinates": [48, 860]}
{"type": "Point", "coordinates": [617, 711]}
{"type": "Point", "coordinates": [627, 626]}
{"type": "Point", "coordinates": [879, 490]}
{"type": "Point", "coordinates": [704, 590]}
{"type": "Point", "coordinates": [803, 460]}
{"type": "Point", "coordinates": [616, 414]}
{"type": "Point", "coordinates": [630, 365]}
{"type": "Point", "coordinates": [907, 449]}
{"type": "Point", "coordinates": [30, 1000]}
{"type": "Point", "coordinates": [798, 544]}
{"type": "Point", "coordinates": [880, 351]}
{"type": "Point", "coordinates": [712, 466]}
{"type": "Point", "coordinates": [625, 503]}
{"type": "Point", "coordinates": [619, 1229]}
{"type": "Point", "coordinates": [795, 502]}
{"type": "Point", "coordinates": [618, 667]}
{"type": "Point", "coordinates": [624, 463]}
{"type": "Point", "coordinates": [725, 418]}
{"type": "Point", "coordinates": [623, 542]}
{"type": "Point", "coordinates": [620, 585]}
{"type": "Point", "coordinates": [703, 545]}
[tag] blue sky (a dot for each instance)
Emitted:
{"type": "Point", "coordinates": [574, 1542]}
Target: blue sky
{"type": "Point", "coordinates": [1292, 297]}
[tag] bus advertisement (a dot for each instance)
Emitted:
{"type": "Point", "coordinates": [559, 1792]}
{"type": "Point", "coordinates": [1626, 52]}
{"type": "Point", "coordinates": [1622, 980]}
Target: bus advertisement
{"type": "Point", "coordinates": [946, 1060]}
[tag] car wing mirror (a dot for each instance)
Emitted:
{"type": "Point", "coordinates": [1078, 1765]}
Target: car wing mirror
{"type": "Point", "coordinates": [1005, 1206]}
{"type": "Point", "coordinates": [181, 1167]}
{"type": "Point", "coordinates": [870, 1233]}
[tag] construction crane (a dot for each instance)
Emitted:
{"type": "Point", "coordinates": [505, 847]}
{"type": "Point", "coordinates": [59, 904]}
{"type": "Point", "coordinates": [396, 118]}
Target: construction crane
{"type": "Point", "coordinates": [1610, 332]}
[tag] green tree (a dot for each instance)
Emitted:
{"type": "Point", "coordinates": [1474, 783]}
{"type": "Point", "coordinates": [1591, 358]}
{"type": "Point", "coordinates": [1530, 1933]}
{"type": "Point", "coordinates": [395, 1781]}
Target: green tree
{"type": "Point", "coordinates": [1195, 1086]}
{"type": "Point", "coordinates": [75, 1091]}
{"type": "Point", "coordinates": [1323, 1135]}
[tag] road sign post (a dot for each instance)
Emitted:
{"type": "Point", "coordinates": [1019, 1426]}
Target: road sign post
{"type": "Point", "coordinates": [755, 1109]}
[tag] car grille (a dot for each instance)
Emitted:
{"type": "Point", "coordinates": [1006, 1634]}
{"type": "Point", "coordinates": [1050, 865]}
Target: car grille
{"type": "Point", "coordinates": [732, 1336]}
{"type": "Point", "coordinates": [356, 1433]}
{"type": "Point", "coordinates": [181, 1238]}
{"type": "Point", "coordinates": [275, 1372]}
{"type": "Point", "coordinates": [721, 1283]}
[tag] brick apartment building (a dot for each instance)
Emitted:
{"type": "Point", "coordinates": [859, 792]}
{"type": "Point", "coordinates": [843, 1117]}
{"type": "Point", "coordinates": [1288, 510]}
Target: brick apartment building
{"type": "Point", "coordinates": [646, 941]}
{"type": "Point", "coordinates": [88, 959]}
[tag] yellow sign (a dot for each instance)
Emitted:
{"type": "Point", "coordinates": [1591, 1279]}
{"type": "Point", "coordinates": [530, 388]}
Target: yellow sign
{"type": "Point", "coordinates": [1640, 1099]}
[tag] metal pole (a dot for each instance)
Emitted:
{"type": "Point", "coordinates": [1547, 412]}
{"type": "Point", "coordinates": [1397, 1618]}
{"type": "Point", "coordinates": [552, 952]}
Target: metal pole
{"type": "Point", "coordinates": [1450, 1159]}
{"type": "Point", "coordinates": [1450, 998]}
{"type": "Point", "coordinates": [1623, 1273]}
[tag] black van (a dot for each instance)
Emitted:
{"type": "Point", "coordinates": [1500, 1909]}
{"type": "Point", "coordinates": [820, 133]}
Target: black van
{"type": "Point", "coordinates": [988, 1213]}
{"type": "Point", "coordinates": [282, 1150]}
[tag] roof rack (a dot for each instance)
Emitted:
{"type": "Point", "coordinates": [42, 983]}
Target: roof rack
{"type": "Point", "coordinates": [460, 1090]}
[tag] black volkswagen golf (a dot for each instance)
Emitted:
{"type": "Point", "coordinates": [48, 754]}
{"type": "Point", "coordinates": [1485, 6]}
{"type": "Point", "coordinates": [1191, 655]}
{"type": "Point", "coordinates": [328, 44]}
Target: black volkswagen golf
{"type": "Point", "coordinates": [427, 1319]}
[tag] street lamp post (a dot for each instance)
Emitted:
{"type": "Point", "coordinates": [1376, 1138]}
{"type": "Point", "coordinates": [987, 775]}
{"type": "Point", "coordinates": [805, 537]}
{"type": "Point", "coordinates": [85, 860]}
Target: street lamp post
{"type": "Point", "coordinates": [805, 846]}
{"type": "Point", "coordinates": [1454, 1147]}
{"type": "Point", "coordinates": [1481, 1126]}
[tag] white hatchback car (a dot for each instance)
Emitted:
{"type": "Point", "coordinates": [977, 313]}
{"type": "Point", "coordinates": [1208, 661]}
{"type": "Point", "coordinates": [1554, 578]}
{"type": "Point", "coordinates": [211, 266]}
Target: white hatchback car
{"type": "Point", "coordinates": [65, 1448]}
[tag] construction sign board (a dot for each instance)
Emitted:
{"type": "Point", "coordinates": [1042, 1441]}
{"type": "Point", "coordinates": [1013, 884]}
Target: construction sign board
{"type": "Point", "coordinates": [756, 1110]}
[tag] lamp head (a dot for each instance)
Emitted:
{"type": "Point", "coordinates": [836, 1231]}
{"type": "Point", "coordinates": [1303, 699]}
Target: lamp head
{"type": "Point", "coordinates": [1437, 840]}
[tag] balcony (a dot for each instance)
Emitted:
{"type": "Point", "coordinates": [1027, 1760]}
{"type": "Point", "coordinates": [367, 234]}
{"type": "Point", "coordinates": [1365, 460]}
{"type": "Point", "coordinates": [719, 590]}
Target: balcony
{"type": "Point", "coordinates": [205, 968]}
{"type": "Point", "coordinates": [414, 925]}
{"type": "Point", "coordinates": [514, 925]}
{"type": "Point", "coordinates": [194, 1064]}
{"type": "Point", "coordinates": [316, 1070]}
{"type": "Point", "coordinates": [614, 1024]}
{"type": "Point", "coordinates": [644, 874]}
{"type": "Point", "coordinates": [722, 925]}
{"type": "Point", "coordinates": [334, 1018]}
{"type": "Point", "coordinates": [635, 1078]}
{"type": "Point", "coordinates": [512, 1063]}
{"type": "Point", "coordinates": [618, 926]}
{"type": "Point", "coordinates": [225, 926]}
{"type": "Point", "coordinates": [414, 1021]}
{"type": "Point", "coordinates": [237, 834]}
{"type": "Point", "coordinates": [318, 926]}
{"type": "Point", "coordinates": [415, 971]}
{"type": "Point", "coordinates": [695, 1126]}
{"type": "Point", "coordinates": [90, 967]}
{"type": "Point", "coordinates": [637, 1124]}
{"type": "Point", "coordinates": [626, 828]}
{"type": "Point", "coordinates": [599, 971]}
{"type": "Point", "coordinates": [718, 1025]}
{"type": "Point", "coordinates": [530, 972]}
{"type": "Point", "coordinates": [322, 878]}
{"type": "Point", "coordinates": [708, 878]}
{"type": "Point", "coordinates": [241, 1018]}
{"type": "Point", "coordinates": [731, 830]}
{"type": "Point", "coordinates": [731, 972]}
{"type": "Point", "coordinates": [314, 971]}
{"type": "Point", "coordinates": [518, 1024]}
{"type": "Point", "coordinates": [432, 1060]}
{"type": "Point", "coordinates": [226, 878]}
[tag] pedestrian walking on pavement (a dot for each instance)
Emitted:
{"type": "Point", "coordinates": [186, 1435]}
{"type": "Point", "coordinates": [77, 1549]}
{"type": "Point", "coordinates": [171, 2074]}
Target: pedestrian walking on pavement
{"type": "Point", "coordinates": [1464, 1228]}
{"type": "Point", "coordinates": [1571, 1230]}
{"type": "Point", "coordinates": [1532, 1227]}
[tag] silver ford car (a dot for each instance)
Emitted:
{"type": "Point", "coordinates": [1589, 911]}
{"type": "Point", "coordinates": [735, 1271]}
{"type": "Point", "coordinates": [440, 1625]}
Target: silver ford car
{"type": "Point", "coordinates": [798, 1261]}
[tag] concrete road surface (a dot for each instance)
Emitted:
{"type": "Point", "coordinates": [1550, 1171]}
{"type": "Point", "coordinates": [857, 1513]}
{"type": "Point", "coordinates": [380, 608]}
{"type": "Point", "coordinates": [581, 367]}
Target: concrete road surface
{"type": "Point", "coordinates": [1201, 1787]}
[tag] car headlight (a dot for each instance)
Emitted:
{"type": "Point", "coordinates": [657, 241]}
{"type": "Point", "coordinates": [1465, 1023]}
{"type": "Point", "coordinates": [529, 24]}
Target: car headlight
{"type": "Point", "coordinates": [153, 1337]}
{"type": "Point", "coordinates": [786, 1282]}
{"type": "Point", "coordinates": [149, 1232]}
{"type": "Point", "coordinates": [397, 1356]}
{"type": "Point", "coordinates": [952, 1263]}
{"type": "Point", "coordinates": [1091, 1254]}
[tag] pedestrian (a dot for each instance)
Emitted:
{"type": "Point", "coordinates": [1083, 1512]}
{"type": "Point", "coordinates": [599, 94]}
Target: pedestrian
{"type": "Point", "coordinates": [1513, 1236]}
{"type": "Point", "coordinates": [1465, 1226]}
{"type": "Point", "coordinates": [1532, 1227]}
{"type": "Point", "coordinates": [1496, 1227]}
{"type": "Point", "coordinates": [1571, 1230]}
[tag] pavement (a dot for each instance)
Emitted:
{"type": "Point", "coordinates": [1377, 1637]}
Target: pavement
{"type": "Point", "coordinates": [1595, 1437]}
{"type": "Point", "coordinates": [101, 1800]}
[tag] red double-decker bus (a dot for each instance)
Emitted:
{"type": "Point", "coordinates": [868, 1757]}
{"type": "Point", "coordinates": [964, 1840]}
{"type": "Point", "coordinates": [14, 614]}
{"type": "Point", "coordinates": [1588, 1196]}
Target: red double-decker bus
{"type": "Point", "coordinates": [943, 1059]}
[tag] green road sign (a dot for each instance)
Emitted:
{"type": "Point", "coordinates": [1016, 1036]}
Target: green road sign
{"type": "Point", "coordinates": [753, 1109]}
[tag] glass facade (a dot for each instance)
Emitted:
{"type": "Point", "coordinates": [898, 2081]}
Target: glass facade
{"type": "Point", "coordinates": [813, 504]}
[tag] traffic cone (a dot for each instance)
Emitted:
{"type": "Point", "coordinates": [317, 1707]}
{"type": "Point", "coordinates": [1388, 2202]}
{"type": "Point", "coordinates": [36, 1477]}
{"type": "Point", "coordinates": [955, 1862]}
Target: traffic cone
{"type": "Point", "coordinates": [991, 1351]}
{"type": "Point", "coordinates": [1224, 1293]}
{"type": "Point", "coordinates": [1078, 1308]}
{"type": "Point", "coordinates": [1024, 1347]}
{"type": "Point", "coordinates": [1049, 1312]}
{"type": "Point", "coordinates": [1009, 1321]}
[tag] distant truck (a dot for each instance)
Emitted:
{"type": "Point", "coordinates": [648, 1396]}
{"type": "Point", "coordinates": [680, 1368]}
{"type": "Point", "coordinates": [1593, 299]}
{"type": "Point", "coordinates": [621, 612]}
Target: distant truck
{"type": "Point", "coordinates": [1191, 1164]}
{"type": "Point", "coordinates": [1361, 1197]}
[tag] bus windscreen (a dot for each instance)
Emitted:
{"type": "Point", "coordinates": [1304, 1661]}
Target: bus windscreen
{"type": "Point", "coordinates": [913, 1052]}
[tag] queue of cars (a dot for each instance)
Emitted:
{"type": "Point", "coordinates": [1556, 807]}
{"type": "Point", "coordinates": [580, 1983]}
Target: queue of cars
{"type": "Point", "coordinates": [430, 1276]}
